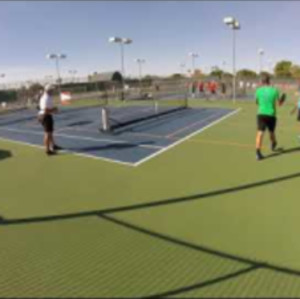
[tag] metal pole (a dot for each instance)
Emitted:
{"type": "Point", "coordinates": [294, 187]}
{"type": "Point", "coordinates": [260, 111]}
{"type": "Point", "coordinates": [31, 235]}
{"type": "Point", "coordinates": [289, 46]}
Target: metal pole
{"type": "Point", "coordinates": [122, 59]}
{"type": "Point", "coordinates": [260, 63]}
{"type": "Point", "coordinates": [233, 69]}
{"type": "Point", "coordinates": [58, 76]}
{"type": "Point", "coordinates": [140, 69]}
{"type": "Point", "coordinates": [140, 73]}
{"type": "Point", "coordinates": [123, 71]}
{"type": "Point", "coordinates": [193, 64]}
{"type": "Point", "coordinates": [57, 68]}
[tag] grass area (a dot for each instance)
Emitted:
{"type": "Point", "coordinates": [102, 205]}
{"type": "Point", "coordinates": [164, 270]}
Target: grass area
{"type": "Point", "coordinates": [203, 219]}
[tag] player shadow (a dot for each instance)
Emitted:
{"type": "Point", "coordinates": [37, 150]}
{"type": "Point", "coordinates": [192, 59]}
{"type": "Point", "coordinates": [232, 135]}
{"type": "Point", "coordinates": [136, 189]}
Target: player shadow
{"type": "Point", "coordinates": [110, 146]}
{"type": "Point", "coordinates": [282, 151]}
{"type": "Point", "coordinates": [5, 154]}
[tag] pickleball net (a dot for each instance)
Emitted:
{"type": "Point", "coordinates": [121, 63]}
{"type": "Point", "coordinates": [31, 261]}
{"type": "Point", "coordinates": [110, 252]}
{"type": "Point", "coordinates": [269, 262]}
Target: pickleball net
{"type": "Point", "coordinates": [145, 104]}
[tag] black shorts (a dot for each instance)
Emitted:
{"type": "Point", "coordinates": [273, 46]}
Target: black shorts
{"type": "Point", "coordinates": [266, 121]}
{"type": "Point", "coordinates": [47, 122]}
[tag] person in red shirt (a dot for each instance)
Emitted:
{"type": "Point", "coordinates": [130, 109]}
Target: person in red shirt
{"type": "Point", "coordinates": [201, 88]}
{"type": "Point", "coordinates": [213, 87]}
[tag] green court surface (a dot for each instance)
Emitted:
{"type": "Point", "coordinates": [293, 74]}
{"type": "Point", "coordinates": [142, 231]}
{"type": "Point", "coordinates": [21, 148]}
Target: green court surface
{"type": "Point", "coordinates": [203, 219]}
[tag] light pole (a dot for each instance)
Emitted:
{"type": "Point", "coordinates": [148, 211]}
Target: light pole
{"type": "Point", "coordinates": [122, 41]}
{"type": "Point", "coordinates": [260, 53]}
{"type": "Point", "coordinates": [3, 76]}
{"type": "Point", "coordinates": [194, 56]}
{"type": "Point", "coordinates": [182, 68]}
{"type": "Point", "coordinates": [57, 58]}
{"type": "Point", "coordinates": [73, 72]}
{"type": "Point", "coordinates": [140, 62]}
{"type": "Point", "coordinates": [234, 25]}
{"type": "Point", "coordinates": [223, 65]}
{"type": "Point", "coordinates": [271, 66]}
{"type": "Point", "coordinates": [48, 78]}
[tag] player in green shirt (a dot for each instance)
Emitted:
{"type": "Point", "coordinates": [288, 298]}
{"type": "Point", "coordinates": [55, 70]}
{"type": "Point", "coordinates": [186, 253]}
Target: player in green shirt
{"type": "Point", "coordinates": [266, 98]}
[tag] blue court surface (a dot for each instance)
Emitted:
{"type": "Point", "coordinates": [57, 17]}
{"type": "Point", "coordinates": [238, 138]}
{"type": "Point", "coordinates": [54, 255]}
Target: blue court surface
{"type": "Point", "coordinates": [77, 131]}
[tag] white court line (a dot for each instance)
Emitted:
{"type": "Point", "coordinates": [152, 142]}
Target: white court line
{"type": "Point", "coordinates": [187, 137]}
{"type": "Point", "coordinates": [81, 138]}
{"type": "Point", "coordinates": [162, 149]}
{"type": "Point", "coordinates": [192, 125]}
{"type": "Point", "coordinates": [67, 151]}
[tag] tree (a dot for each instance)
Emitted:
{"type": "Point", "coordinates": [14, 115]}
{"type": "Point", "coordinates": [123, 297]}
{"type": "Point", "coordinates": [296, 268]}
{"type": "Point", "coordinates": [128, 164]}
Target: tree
{"type": "Point", "coordinates": [30, 92]}
{"type": "Point", "coordinates": [227, 75]}
{"type": "Point", "coordinates": [148, 79]}
{"type": "Point", "coordinates": [295, 71]}
{"type": "Point", "coordinates": [93, 77]}
{"type": "Point", "coordinates": [198, 74]}
{"type": "Point", "coordinates": [283, 69]}
{"type": "Point", "coordinates": [264, 73]}
{"type": "Point", "coordinates": [246, 74]}
{"type": "Point", "coordinates": [22, 93]}
{"type": "Point", "coordinates": [217, 73]}
{"type": "Point", "coordinates": [177, 76]}
{"type": "Point", "coordinates": [34, 89]}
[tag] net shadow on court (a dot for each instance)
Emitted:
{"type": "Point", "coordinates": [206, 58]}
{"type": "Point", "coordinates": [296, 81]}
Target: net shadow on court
{"type": "Point", "coordinates": [212, 269]}
{"type": "Point", "coordinates": [79, 130]}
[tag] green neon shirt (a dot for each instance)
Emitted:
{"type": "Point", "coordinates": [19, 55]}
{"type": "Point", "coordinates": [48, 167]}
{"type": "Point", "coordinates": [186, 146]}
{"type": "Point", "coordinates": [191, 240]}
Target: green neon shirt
{"type": "Point", "coordinates": [266, 97]}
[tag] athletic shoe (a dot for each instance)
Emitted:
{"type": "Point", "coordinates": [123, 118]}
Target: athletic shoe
{"type": "Point", "coordinates": [57, 147]}
{"type": "Point", "coordinates": [259, 156]}
{"type": "Point", "coordinates": [273, 147]}
{"type": "Point", "coordinates": [51, 153]}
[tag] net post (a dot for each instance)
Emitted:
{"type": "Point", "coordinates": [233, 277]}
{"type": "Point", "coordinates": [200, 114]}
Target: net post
{"type": "Point", "coordinates": [156, 106]}
{"type": "Point", "coordinates": [186, 93]}
{"type": "Point", "coordinates": [105, 119]}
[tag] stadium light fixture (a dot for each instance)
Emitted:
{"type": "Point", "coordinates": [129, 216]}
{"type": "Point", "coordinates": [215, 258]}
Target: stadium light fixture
{"type": "Point", "coordinates": [194, 56]}
{"type": "Point", "coordinates": [126, 41]}
{"type": "Point", "coordinates": [234, 24]}
{"type": "Point", "coordinates": [115, 39]}
{"type": "Point", "coordinates": [57, 58]}
{"type": "Point", "coordinates": [73, 72]}
{"type": "Point", "coordinates": [182, 67]}
{"type": "Point", "coordinates": [3, 76]}
{"type": "Point", "coordinates": [228, 20]}
{"type": "Point", "coordinates": [140, 61]}
{"type": "Point", "coordinates": [260, 53]}
{"type": "Point", "coordinates": [122, 41]}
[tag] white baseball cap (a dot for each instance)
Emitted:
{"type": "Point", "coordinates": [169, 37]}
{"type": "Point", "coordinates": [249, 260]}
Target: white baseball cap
{"type": "Point", "coordinates": [49, 87]}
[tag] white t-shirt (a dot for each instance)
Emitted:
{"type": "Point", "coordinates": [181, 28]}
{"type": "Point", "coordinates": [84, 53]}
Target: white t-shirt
{"type": "Point", "coordinates": [46, 102]}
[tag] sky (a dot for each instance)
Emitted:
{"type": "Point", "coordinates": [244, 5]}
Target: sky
{"type": "Point", "coordinates": [163, 33]}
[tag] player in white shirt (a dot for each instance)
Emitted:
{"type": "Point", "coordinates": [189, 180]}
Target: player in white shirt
{"type": "Point", "coordinates": [46, 109]}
